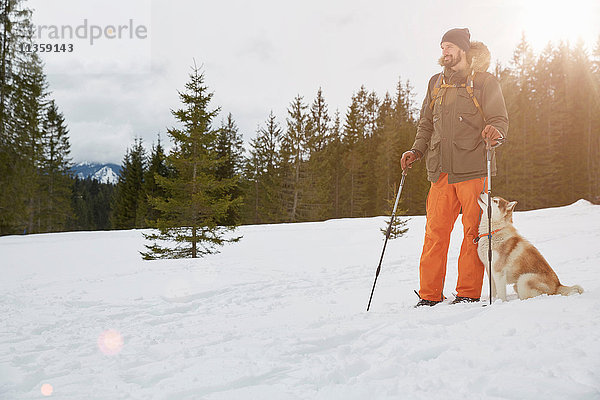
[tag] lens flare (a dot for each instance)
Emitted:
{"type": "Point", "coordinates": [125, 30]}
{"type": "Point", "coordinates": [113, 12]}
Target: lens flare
{"type": "Point", "coordinates": [110, 342]}
{"type": "Point", "coordinates": [47, 389]}
{"type": "Point", "coordinates": [543, 21]}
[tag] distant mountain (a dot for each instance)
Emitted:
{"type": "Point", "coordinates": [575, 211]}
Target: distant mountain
{"type": "Point", "coordinates": [103, 173]}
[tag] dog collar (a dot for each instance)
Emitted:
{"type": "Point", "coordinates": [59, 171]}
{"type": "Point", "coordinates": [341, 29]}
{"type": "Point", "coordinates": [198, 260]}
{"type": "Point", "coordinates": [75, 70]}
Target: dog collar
{"type": "Point", "coordinates": [485, 234]}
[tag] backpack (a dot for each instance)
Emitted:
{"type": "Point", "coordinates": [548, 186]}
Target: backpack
{"type": "Point", "coordinates": [472, 80]}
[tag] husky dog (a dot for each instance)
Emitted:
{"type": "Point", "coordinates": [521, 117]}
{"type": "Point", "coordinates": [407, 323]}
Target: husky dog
{"type": "Point", "coordinates": [514, 259]}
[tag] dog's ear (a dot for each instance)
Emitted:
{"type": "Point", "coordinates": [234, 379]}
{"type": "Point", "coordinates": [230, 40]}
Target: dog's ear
{"type": "Point", "coordinates": [511, 206]}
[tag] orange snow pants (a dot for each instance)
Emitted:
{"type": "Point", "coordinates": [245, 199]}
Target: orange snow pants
{"type": "Point", "coordinates": [444, 203]}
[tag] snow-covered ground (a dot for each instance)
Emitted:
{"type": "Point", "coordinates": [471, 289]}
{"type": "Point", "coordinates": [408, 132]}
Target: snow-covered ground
{"type": "Point", "coordinates": [281, 315]}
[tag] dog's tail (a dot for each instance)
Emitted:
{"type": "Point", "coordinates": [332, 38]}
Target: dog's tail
{"type": "Point", "coordinates": [568, 290]}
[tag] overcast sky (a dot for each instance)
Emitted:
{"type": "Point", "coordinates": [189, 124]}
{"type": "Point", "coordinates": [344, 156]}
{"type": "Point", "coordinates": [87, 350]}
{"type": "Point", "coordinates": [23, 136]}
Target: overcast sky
{"type": "Point", "coordinates": [258, 55]}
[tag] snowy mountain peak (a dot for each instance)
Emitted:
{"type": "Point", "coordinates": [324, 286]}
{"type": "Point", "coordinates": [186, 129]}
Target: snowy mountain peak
{"type": "Point", "coordinates": [106, 175]}
{"type": "Point", "coordinates": [103, 173]}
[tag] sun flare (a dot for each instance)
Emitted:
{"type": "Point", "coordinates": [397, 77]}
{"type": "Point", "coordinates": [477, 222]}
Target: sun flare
{"type": "Point", "coordinates": [545, 21]}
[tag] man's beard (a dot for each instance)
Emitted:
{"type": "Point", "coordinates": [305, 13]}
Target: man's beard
{"type": "Point", "coordinates": [452, 61]}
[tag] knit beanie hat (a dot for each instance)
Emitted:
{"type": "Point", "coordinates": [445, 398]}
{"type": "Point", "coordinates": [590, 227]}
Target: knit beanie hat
{"type": "Point", "coordinates": [458, 36]}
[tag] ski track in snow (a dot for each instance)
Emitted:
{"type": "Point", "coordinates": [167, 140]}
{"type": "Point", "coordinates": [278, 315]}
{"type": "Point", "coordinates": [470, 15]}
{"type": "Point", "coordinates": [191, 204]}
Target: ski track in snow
{"type": "Point", "coordinates": [281, 315]}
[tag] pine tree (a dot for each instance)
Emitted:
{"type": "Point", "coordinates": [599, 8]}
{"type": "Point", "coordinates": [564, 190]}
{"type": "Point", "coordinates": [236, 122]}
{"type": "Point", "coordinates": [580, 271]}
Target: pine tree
{"type": "Point", "coordinates": [29, 107]}
{"type": "Point", "coordinates": [560, 123]}
{"type": "Point", "coordinates": [253, 171]}
{"type": "Point", "coordinates": [317, 129]}
{"type": "Point", "coordinates": [317, 201]}
{"type": "Point", "coordinates": [130, 198]}
{"type": "Point", "coordinates": [230, 151]}
{"type": "Point", "coordinates": [389, 147]}
{"type": "Point", "coordinates": [293, 157]}
{"type": "Point", "coordinates": [263, 172]}
{"type": "Point", "coordinates": [55, 164]}
{"type": "Point", "coordinates": [193, 206]}
{"type": "Point", "coordinates": [16, 96]}
{"type": "Point", "coordinates": [15, 30]}
{"type": "Point", "coordinates": [156, 166]}
{"type": "Point", "coordinates": [371, 168]}
{"type": "Point", "coordinates": [334, 153]}
{"type": "Point", "coordinates": [353, 140]}
{"type": "Point", "coordinates": [6, 7]}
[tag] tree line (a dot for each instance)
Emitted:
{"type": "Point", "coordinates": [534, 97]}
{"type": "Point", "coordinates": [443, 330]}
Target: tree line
{"type": "Point", "coordinates": [34, 145]}
{"type": "Point", "coordinates": [552, 155]}
{"type": "Point", "coordinates": [312, 168]}
{"type": "Point", "coordinates": [316, 165]}
{"type": "Point", "coordinates": [37, 190]}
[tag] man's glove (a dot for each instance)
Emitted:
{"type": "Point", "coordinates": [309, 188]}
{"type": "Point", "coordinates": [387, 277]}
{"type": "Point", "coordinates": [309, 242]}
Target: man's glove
{"type": "Point", "coordinates": [409, 157]}
{"type": "Point", "coordinates": [492, 136]}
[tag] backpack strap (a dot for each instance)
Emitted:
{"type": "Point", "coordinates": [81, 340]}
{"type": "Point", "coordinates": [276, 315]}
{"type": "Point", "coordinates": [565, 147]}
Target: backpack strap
{"type": "Point", "coordinates": [436, 89]}
{"type": "Point", "coordinates": [469, 87]}
{"type": "Point", "coordinates": [439, 84]}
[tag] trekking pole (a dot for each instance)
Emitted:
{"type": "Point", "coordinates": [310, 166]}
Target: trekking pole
{"type": "Point", "coordinates": [489, 213]}
{"type": "Point", "coordinates": [387, 235]}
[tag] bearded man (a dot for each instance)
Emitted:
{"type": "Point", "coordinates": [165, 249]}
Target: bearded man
{"type": "Point", "coordinates": [464, 108]}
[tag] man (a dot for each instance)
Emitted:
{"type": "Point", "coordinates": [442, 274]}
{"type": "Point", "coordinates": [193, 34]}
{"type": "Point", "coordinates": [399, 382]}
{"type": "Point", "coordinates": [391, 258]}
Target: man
{"type": "Point", "coordinates": [463, 110]}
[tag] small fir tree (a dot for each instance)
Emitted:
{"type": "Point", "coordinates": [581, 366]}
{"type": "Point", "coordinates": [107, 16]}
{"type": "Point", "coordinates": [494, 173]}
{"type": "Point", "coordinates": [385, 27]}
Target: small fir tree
{"type": "Point", "coordinates": [196, 199]}
{"type": "Point", "coordinates": [398, 228]}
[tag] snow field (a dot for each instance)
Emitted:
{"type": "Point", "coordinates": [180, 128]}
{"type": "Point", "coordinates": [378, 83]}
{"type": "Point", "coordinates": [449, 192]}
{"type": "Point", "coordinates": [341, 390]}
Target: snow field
{"type": "Point", "coordinates": [281, 315]}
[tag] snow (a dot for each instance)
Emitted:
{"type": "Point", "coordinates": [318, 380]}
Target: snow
{"type": "Point", "coordinates": [103, 173]}
{"type": "Point", "coordinates": [281, 315]}
{"type": "Point", "coordinates": [106, 175]}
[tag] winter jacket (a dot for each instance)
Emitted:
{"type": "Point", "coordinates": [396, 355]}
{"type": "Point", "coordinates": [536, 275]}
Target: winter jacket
{"type": "Point", "coordinates": [449, 135]}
